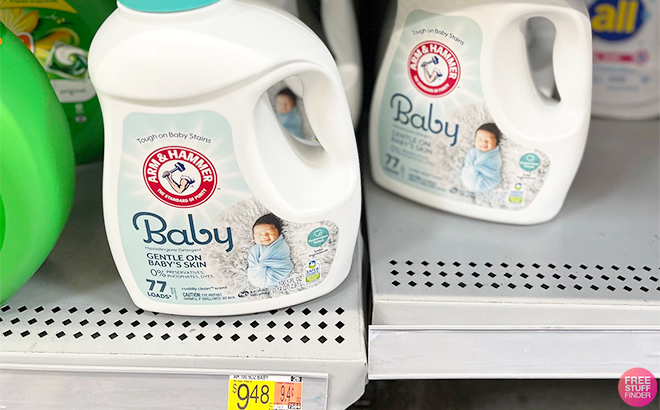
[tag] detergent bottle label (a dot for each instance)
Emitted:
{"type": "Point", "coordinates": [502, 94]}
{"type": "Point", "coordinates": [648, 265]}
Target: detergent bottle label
{"type": "Point", "coordinates": [192, 231]}
{"type": "Point", "coordinates": [59, 36]}
{"type": "Point", "coordinates": [626, 51]}
{"type": "Point", "coordinates": [436, 132]}
{"type": "Point", "coordinates": [52, 30]}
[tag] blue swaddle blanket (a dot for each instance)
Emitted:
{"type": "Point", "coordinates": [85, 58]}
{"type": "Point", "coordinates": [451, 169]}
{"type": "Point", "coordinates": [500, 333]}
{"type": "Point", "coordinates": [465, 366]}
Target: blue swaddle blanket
{"type": "Point", "coordinates": [482, 171]}
{"type": "Point", "coordinates": [292, 122]}
{"type": "Point", "coordinates": [269, 265]}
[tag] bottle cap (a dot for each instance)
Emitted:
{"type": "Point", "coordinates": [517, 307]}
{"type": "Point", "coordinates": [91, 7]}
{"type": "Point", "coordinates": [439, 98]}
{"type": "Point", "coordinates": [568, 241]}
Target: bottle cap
{"type": "Point", "coordinates": [165, 6]}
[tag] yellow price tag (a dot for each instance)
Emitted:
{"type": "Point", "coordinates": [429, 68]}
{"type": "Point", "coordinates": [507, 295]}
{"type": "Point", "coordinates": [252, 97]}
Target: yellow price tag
{"type": "Point", "coordinates": [252, 394]}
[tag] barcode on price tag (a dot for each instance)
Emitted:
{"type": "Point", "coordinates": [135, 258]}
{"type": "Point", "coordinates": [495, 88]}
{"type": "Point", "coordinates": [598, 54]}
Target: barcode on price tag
{"type": "Point", "coordinates": [264, 392]}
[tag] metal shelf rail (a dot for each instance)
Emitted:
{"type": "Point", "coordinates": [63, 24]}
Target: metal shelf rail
{"type": "Point", "coordinates": [71, 337]}
{"type": "Point", "coordinates": [577, 297]}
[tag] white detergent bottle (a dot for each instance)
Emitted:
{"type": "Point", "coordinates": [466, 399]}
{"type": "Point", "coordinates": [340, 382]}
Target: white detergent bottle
{"type": "Point", "coordinates": [339, 26]}
{"type": "Point", "coordinates": [457, 122]}
{"type": "Point", "coordinates": [626, 46]}
{"type": "Point", "coordinates": [210, 209]}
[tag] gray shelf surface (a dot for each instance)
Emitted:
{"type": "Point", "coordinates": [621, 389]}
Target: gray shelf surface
{"type": "Point", "coordinates": [581, 286]}
{"type": "Point", "coordinates": [74, 319]}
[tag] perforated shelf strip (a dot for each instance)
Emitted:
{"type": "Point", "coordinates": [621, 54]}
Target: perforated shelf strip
{"type": "Point", "coordinates": [550, 278]}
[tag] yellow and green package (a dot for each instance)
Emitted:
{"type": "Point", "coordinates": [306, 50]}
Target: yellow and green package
{"type": "Point", "coordinates": [59, 33]}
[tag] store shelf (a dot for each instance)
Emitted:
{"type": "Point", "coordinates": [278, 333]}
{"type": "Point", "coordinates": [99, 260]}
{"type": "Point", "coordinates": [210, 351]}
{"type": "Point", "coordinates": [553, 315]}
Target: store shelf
{"type": "Point", "coordinates": [72, 337]}
{"type": "Point", "coordinates": [578, 296]}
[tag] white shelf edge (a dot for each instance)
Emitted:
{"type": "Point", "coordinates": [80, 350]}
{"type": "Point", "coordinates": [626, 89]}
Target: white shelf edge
{"type": "Point", "coordinates": [510, 353]}
{"type": "Point", "coordinates": [411, 313]}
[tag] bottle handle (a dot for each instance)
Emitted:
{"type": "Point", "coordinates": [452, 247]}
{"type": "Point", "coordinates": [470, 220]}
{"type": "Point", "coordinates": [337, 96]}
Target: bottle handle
{"type": "Point", "coordinates": [340, 27]}
{"type": "Point", "coordinates": [301, 183]}
{"type": "Point", "coordinates": [508, 81]}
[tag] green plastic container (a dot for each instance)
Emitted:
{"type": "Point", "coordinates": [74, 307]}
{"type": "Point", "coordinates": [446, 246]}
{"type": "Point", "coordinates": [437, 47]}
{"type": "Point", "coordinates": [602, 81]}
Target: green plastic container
{"type": "Point", "coordinates": [37, 168]}
{"type": "Point", "coordinates": [59, 33]}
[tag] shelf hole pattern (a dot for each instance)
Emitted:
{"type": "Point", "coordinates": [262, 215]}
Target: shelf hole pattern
{"type": "Point", "coordinates": [516, 279]}
{"type": "Point", "coordinates": [127, 329]}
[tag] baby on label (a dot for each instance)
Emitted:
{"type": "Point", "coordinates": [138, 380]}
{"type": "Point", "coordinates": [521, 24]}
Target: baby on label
{"type": "Point", "coordinates": [288, 114]}
{"type": "Point", "coordinates": [269, 259]}
{"type": "Point", "coordinates": [482, 168]}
